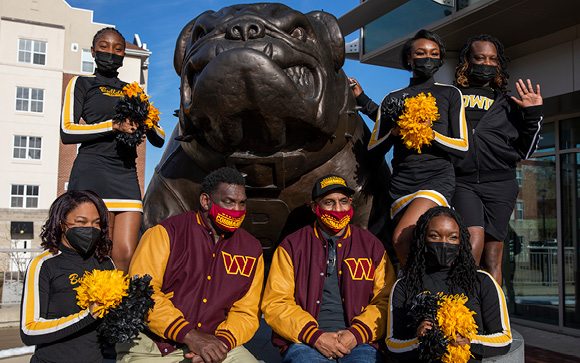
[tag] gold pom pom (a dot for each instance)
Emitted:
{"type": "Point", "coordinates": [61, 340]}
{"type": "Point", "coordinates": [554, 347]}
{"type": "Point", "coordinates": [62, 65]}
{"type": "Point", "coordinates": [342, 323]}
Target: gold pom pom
{"type": "Point", "coordinates": [417, 120]}
{"type": "Point", "coordinates": [106, 288]}
{"type": "Point", "coordinates": [134, 90]}
{"type": "Point", "coordinates": [453, 318]}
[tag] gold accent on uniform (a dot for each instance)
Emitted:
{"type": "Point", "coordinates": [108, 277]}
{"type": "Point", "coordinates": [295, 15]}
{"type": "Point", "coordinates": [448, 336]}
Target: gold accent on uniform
{"type": "Point", "coordinates": [111, 92]}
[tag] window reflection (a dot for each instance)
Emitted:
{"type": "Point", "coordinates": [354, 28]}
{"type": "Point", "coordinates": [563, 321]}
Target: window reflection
{"type": "Point", "coordinates": [570, 232]}
{"type": "Point", "coordinates": [404, 20]}
{"type": "Point", "coordinates": [532, 281]}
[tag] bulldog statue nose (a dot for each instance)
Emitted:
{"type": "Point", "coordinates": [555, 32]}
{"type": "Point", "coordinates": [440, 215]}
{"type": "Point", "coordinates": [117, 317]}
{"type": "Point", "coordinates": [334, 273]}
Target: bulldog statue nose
{"type": "Point", "coordinates": [245, 30]}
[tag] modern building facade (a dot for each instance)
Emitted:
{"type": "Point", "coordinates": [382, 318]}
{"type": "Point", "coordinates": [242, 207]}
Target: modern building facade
{"type": "Point", "coordinates": [541, 259]}
{"type": "Point", "coordinates": [44, 44]}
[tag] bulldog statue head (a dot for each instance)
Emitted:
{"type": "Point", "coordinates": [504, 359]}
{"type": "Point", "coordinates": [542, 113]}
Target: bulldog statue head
{"type": "Point", "coordinates": [259, 78]}
{"type": "Point", "coordinates": [263, 91]}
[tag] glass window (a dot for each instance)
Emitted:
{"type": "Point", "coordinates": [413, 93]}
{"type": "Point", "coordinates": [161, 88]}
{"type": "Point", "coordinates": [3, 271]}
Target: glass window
{"type": "Point", "coordinates": [570, 133]}
{"type": "Point", "coordinates": [519, 177]}
{"type": "Point", "coordinates": [31, 51]}
{"type": "Point", "coordinates": [570, 177]}
{"type": "Point", "coordinates": [402, 21]}
{"type": "Point", "coordinates": [27, 147]}
{"type": "Point", "coordinates": [547, 137]}
{"type": "Point", "coordinates": [519, 209]}
{"type": "Point", "coordinates": [532, 280]}
{"type": "Point", "coordinates": [88, 64]}
{"type": "Point", "coordinates": [462, 4]}
{"type": "Point", "coordinates": [24, 196]}
{"type": "Point", "coordinates": [29, 99]}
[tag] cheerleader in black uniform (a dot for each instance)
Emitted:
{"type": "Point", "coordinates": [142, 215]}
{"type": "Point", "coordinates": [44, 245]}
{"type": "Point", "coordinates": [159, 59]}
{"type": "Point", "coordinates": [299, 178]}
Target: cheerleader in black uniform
{"type": "Point", "coordinates": [105, 165]}
{"type": "Point", "coordinates": [420, 180]}
{"type": "Point", "coordinates": [503, 130]}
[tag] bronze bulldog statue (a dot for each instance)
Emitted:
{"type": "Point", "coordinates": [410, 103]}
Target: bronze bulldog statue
{"type": "Point", "coordinates": [262, 91]}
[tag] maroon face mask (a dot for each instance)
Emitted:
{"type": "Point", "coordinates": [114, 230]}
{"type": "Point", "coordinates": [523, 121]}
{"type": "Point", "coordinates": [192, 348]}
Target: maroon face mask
{"type": "Point", "coordinates": [336, 221]}
{"type": "Point", "coordinates": [226, 219]}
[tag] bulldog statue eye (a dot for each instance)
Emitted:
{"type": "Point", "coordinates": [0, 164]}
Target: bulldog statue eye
{"type": "Point", "coordinates": [299, 33]}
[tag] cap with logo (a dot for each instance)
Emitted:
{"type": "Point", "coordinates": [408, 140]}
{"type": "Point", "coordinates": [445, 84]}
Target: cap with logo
{"type": "Point", "coordinates": [330, 182]}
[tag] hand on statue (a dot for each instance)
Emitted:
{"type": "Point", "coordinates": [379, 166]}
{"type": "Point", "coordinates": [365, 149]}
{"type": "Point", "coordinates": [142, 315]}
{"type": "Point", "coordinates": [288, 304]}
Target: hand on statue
{"type": "Point", "coordinates": [209, 348]}
{"type": "Point", "coordinates": [329, 346]}
{"type": "Point", "coordinates": [355, 86]}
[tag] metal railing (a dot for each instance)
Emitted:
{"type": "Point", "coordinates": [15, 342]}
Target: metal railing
{"type": "Point", "coordinates": [13, 264]}
{"type": "Point", "coordinates": [539, 266]}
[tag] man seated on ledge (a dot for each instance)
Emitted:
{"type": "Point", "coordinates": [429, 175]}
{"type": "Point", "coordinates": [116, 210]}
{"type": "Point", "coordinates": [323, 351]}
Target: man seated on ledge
{"type": "Point", "coordinates": [207, 276]}
{"type": "Point", "coordinates": [328, 288]}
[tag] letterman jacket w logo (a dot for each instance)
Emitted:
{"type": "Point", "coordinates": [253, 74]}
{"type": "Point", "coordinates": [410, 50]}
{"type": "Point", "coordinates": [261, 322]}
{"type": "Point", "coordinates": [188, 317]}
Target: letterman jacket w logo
{"type": "Point", "coordinates": [293, 293]}
{"type": "Point", "coordinates": [214, 288]}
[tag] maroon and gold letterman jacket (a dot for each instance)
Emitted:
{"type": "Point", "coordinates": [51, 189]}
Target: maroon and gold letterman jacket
{"type": "Point", "coordinates": [293, 292]}
{"type": "Point", "coordinates": [214, 288]}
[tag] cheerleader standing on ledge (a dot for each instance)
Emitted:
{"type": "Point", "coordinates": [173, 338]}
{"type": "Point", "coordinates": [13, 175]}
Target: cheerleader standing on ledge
{"type": "Point", "coordinates": [420, 180]}
{"type": "Point", "coordinates": [503, 131]}
{"type": "Point", "coordinates": [76, 240]}
{"type": "Point", "coordinates": [104, 164]}
{"type": "Point", "coordinates": [440, 261]}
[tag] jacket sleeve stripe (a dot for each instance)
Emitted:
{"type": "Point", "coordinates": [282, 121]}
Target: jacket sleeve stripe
{"type": "Point", "coordinates": [535, 140]}
{"type": "Point", "coordinates": [397, 345]}
{"type": "Point", "coordinates": [228, 336]}
{"type": "Point", "coordinates": [68, 125]}
{"type": "Point", "coordinates": [462, 142]}
{"type": "Point", "coordinates": [159, 131]}
{"type": "Point", "coordinates": [175, 327]}
{"type": "Point", "coordinates": [32, 324]}
{"type": "Point", "coordinates": [504, 337]}
{"type": "Point", "coordinates": [374, 141]}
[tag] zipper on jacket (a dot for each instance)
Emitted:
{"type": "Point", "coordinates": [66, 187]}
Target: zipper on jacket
{"type": "Point", "coordinates": [476, 154]}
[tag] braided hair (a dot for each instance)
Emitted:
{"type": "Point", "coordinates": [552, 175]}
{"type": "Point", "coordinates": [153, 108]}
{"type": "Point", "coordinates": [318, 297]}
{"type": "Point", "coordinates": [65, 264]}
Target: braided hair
{"type": "Point", "coordinates": [463, 270]}
{"type": "Point", "coordinates": [103, 31]}
{"type": "Point", "coordinates": [500, 81]}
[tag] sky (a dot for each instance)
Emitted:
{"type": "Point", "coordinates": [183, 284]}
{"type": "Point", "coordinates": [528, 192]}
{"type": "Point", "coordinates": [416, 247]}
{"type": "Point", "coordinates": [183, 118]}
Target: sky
{"type": "Point", "coordinates": [158, 23]}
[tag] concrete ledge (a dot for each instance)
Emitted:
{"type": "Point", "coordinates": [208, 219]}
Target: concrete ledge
{"type": "Point", "coordinates": [516, 353]}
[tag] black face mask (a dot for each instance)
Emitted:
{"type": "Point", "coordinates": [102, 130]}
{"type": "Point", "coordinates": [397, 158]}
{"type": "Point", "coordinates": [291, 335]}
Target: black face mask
{"type": "Point", "coordinates": [441, 253]}
{"type": "Point", "coordinates": [482, 73]}
{"type": "Point", "coordinates": [83, 239]}
{"type": "Point", "coordinates": [108, 62]}
{"type": "Point", "coordinates": [426, 67]}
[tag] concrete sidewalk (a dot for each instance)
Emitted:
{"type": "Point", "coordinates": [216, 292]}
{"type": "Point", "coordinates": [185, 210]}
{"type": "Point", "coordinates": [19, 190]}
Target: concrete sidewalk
{"type": "Point", "coordinates": [540, 346]}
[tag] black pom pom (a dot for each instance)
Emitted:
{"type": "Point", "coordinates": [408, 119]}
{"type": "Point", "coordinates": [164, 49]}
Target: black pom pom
{"type": "Point", "coordinates": [424, 306]}
{"type": "Point", "coordinates": [123, 323]}
{"type": "Point", "coordinates": [432, 345]}
{"type": "Point", "coordinates": [136, 110]}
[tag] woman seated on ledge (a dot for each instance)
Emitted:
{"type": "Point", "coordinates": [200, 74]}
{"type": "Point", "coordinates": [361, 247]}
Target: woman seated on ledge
{"type": "Point", "coordinates": [440, 261]}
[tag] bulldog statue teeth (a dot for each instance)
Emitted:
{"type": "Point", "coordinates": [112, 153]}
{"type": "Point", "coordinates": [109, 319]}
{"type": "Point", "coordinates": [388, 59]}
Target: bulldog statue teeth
{"type": "Point", "coordinates": [262, 90]}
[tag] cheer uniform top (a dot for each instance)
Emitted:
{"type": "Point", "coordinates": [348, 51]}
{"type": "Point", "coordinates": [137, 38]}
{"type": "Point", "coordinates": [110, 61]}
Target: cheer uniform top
{"type": "Point", "coordinates": [491, 316]}
{"type": "Point", "coordinates": [214, 288]}
{"type": "Point", "coordinates": [50, 317]}
{"type": "Point", "coordinates": [428, 174]}
{"type": "Point", "coordinates": [500, 135]}
{"type": "Point", "coordinates": [293, 292]}
{"type": "Point", "coordinates": [103, 164]}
